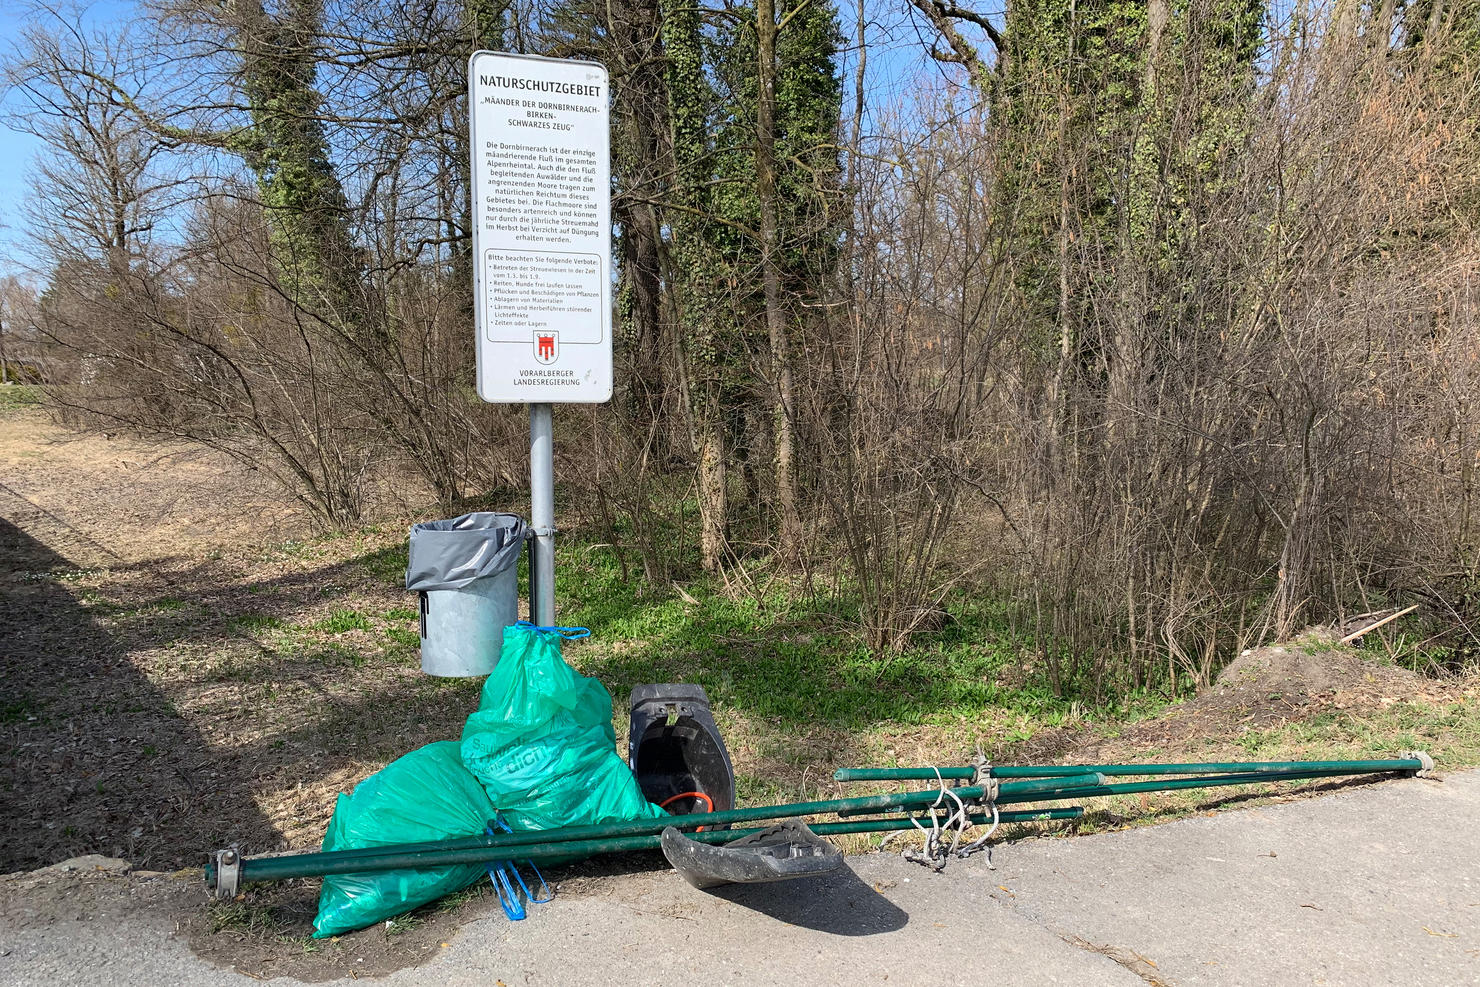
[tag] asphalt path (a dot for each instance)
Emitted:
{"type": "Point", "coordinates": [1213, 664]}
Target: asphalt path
{"type": "Point", "coordinates": [1373, 885]}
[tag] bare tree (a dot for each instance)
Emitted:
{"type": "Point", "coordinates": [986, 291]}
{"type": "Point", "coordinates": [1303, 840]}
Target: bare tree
{"type": "Point", "coordinates": [20, 357]}
{"type": "Point", "coordinates": [100, 186]}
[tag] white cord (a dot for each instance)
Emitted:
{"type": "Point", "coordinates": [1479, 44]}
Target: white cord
{"type": "Point", "coordinates": [957, 821]}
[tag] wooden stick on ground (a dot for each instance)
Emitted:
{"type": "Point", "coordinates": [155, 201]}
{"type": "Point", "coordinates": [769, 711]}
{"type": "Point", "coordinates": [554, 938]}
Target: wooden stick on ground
{"type": "Point", "coordinates": [1372, 627]}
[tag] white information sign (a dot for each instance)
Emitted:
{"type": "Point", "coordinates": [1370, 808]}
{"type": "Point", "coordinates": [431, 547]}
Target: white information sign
{"type": "Point", "coordinates": [541, 228]}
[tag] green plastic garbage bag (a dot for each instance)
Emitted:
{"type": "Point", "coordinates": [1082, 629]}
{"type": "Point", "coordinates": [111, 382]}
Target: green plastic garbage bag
{"type": "Point", "coordinates": [542, 744]}
{"type": "Point", "coordinates": [425, 795]}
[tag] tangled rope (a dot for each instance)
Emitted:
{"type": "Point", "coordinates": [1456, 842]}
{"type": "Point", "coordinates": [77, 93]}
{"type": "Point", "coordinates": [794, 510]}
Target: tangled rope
{"type": "Point", "coordinates": [956, 822]}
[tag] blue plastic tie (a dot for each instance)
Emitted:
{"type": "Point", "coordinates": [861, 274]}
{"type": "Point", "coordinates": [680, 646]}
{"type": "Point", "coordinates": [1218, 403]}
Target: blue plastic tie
{"type": "Point", "coordinates": [501, 823]}
{"type": "Point", "coordinates": [505, 891]}
{"type": "Point", "coordinates": [569, 633]}
{"type": "Point", "coordinates": [499, 873]}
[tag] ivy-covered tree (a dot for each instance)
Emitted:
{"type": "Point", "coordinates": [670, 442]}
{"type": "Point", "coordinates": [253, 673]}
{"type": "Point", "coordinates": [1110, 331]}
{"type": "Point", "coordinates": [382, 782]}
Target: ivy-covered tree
{"type": "Point", "coordinates": [288, 152]}
{"type": "Point", "coordinates": [777, 174]}
{"type": "Point", "coordinates": [1116, 125]}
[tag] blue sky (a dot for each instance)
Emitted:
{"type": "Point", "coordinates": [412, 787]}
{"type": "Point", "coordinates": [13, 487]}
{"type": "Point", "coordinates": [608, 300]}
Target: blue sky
{"type": "Point", "coordinates": [16, 149]}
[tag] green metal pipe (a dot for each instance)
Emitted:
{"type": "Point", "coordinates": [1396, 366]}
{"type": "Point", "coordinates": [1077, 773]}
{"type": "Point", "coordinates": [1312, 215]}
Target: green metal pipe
{"type": "Point", "coordinates": [1063, 770]}
{"type": "Point", "coordinates": [1259, 767]}
{"type": "Point", "coordinates": [1206, 781]}
{"type": "Point", "coordinates": [1008, 793]}
{"type": "Point", "coordinates": [1162, 785]}
{"type": "Point", "coordinates": [401, 858]}
{"type": "Point", "coordinates": [905, 774]}
{"type": "Point", "coordinates": [1021, 791]}
{"type": "Point", "coordinates": [1050, 784]}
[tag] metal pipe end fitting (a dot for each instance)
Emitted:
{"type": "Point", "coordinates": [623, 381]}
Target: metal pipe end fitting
{"type": "Point", "coordinates": [1422, 757]}
{"type": "Point", "coordinates": [228, 870]}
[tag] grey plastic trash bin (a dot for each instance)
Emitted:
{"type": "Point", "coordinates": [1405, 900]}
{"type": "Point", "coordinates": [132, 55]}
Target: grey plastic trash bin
{"type": "Point", "coordinates": [467, 572]}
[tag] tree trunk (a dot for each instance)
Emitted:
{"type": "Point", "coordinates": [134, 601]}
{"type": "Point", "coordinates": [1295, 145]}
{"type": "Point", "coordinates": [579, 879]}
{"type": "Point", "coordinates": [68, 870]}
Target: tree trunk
{"type": "Point", "coordinates": [700, 332]}
{"type": "Point", "coordinates": [714, 506]}
{"type": "Point", "coordinates": [288, 150]}
{"type": "Point", "coordinates": [781, 382]}
{"type": "Point", "coordinates": [638, 142]}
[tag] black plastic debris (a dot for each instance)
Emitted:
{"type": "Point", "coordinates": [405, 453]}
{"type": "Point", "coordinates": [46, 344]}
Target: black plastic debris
{"type": "Point", "coordinates": [675, 750]}
{"type": "Point", "coordinates": [779, 853]}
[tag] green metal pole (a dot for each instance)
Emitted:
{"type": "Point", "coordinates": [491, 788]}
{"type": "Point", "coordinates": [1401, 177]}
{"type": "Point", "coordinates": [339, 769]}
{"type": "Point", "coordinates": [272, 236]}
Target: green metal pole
{"type": "Point", "coordinates": [905, 774]}
{"type": "Point", "coordinates": [1008, 793]}
{"type": "Point", "coordinates": [1213, 781]}
{"type": "Point", "coordinates": [324, 864]}
{"type": "Point", "coordinates": [351, 861]}
{"type": "Point", "coordinates": [1061, 770]}
{"type": "Point", "coordinates": [1012, 792]}
{"type": "Point", "coordinates": [1162, 785]}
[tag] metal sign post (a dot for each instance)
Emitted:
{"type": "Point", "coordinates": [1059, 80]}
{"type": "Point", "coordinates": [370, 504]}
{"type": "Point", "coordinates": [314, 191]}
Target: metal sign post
{"type": "Point", "coordinates": [542, 514]}
{"type": "Point", "coordinates": [541, 146]}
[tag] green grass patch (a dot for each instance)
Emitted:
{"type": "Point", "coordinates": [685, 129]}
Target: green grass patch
{"type": "Point", "coordinates": [19, 710]}
{"type": "Point", "coordinates": [1450, 733]}
{"type": "Point", "coordinates": [452, 902]}
{"type": "Point", "coordinates": [386, 564]}
{"type": "Point", "coordinates": [343, 620]}
{"type": "Point", "coordinates": [403, 637]}
{"type": "Point", "coordinates": [237, 916]}
{"type": "Point", "coordinates": [798, 659]}
{"type": "Point", "coordinates": [19, 395]}
{"type": "Point", "coordinates": [402, 924]}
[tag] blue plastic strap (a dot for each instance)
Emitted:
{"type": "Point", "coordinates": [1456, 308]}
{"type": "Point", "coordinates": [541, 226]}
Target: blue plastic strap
{"type": "Point", "coordinates": [501, 823]}
{"type": "Point", "coordinates": [505, 891]}
{"type": "Point", "coordinates": [569, 633]}
{"type": "Point", "coordinates": [499, 873]}
{"type": "Point", "coordinates": [549, 892]}
{"type": "Point", "coordinates": [528, 896]}
{"type": "Point", "coordinates": [504, 888]}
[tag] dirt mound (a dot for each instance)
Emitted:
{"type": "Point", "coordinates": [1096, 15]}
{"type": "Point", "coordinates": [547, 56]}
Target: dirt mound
{"type": "Point", "coordinates": [1313, 665]}
{"type": "Point", "coordinates": [1260, 689]}
{"type": "Point", "coordinates": [1290, 681]}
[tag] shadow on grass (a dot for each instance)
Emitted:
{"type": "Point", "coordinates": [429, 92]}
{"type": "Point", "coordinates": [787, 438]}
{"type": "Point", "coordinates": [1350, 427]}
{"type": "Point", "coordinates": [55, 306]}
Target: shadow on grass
{"type": "Point", "coordinates": [94, 757]}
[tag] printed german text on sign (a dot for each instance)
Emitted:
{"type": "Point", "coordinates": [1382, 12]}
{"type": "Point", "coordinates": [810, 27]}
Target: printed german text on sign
{"type": "Point", "coordinates": [541, 228]}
